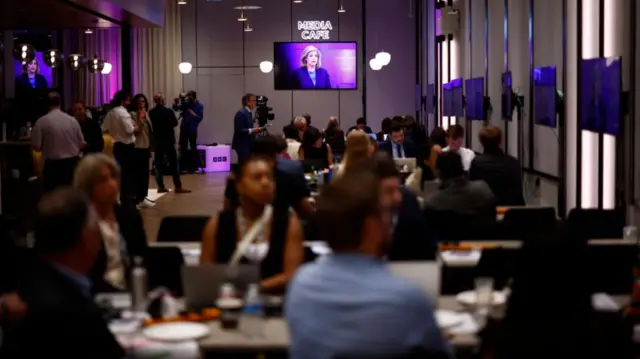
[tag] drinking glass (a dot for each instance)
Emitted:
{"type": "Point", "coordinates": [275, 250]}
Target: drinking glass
{"type": "Point", "coordinates": [484, 294]}
{"type": "Point", "coordinates": [630, 233]}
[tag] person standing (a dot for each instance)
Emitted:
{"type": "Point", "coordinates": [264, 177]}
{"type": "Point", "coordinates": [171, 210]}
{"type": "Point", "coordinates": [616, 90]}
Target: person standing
{"type": "Point", "coordinates": [164, 121]}
{"type": "Point", "coordinates": [244, 129]}
{"type": "Point", "coordinates": [60, 139]}
{"type": "Point", "coordinates": [90, 129]}
{"type": "Point", "coordinates": [192, 115]}
{"type": "Point", "coordinates": [140, 116]}
{"type": "Point", "coordinates": [121, 127]}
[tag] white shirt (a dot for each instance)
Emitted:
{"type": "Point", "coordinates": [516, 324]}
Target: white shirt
{"type": "Point", "coordinates": [114, 274]}
{"type": "Point", "coordinates": [57, 135]}
{"type": "Point", "coordinates": [292, 148]}
{"type": "Point", "coordinates": [119, 124]}
{"type": "Point", "coordinates": [466, 154]}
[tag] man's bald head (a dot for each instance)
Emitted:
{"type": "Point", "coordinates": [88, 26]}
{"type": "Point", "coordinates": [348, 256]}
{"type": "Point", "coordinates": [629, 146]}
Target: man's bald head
{"type": "Point", "coordinates": [158, 98]}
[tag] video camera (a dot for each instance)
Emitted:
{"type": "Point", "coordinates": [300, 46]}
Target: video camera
{"type": "Point", "coordinates": [263, 112]}
{"type": "Point", "coordinates": [182, 103]}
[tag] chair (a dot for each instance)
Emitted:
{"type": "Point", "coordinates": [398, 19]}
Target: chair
{"type": "Point", "coordinates": [164, 268]}
{"type": "Point", "coordinates": [182, 228]}
{"type": "Point", "coordinates": [521, 222]}
{"type": "Point", "coordinates": [108, 145]}
{"type": "Point", "coordinates": [597, 223]}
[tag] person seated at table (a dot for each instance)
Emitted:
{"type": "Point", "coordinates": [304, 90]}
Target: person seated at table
{"type": "Point", "coordinates": [502, 172]}
{"type": "Point", "coordinates": [293, 143]}
{"type": "Point", "coordinates": [550, 312]}
{"type": "Point", "coordinates": [455, 140]}
{"type": "Point", "coordinates": [361, 125]}
{"type": "Point", "coordinates": [398, 146]}
{"type": "Point", "coordinates": [359, 147]}
{"type": "Point", "coordinates": [438, 137]}
{"type": "Point", "coordinates": [276, 245]}
{"type": "Point", "coordinates": [349, 305]}
{"type": "Point", "coordinates": [425, 171]}
{"type": "Point", "coordinates": [334, 136]}
{"type": "Point", "coordinates": [457, 194]}
{"type": "Point", "coordinates": [313, 148]}
{"type": "Point", "coordinates": [121, 226]}
{"type": "Point", "coordinates": [385, 129]}
{"type": "Point", "coordinates": [291, 191]}
{"type": "Point", "coordinates": [62, 319]}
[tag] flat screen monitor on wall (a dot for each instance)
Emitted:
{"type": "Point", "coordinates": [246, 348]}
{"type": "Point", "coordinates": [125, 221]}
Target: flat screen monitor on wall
{"type": "Point", "coordinates": [612, 88]}
{"type": "Point", "coordinates": [430, 98]}
{"type": "Point", "coordinates": [544, 101]}
{"type": "Point", "coordinates": [457, 98]}
{"type": "Point", "coordinates": [507, 96]}
{"type": "Point", "coordinates": [447, 99]}
{"type": "Point", "coordinates": [474, 98]}
{"type": "Point", "coordinates": [592, 108]}
{"type": "Point", "coordinates": [315, 66]}
{"type": "Point", "coordinates": [42, 74]}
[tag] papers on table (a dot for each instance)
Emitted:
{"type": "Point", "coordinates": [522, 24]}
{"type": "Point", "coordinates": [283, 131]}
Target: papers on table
{"type": "Point", "coordinates": [461, 258]}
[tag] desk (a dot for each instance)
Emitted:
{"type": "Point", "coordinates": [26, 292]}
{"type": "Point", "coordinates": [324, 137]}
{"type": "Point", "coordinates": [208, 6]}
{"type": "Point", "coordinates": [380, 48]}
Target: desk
{"type": "Point", "coordinates": [217, 158]}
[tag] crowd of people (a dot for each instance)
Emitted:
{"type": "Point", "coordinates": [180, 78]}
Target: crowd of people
{"type": "Point", "coordinates": [346, 305]}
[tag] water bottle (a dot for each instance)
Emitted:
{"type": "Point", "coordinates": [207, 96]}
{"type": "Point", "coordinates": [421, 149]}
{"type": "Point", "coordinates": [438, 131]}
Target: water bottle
{"type": "Point", "coordinates": [138, 286]}
{"type": "Point", "coordinates": [252, 320]}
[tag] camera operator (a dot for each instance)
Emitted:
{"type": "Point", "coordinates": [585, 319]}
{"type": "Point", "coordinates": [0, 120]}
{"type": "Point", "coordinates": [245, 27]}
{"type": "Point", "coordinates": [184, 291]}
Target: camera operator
{"type": "Point", "coordinates": [192, 114]}
{"type": "Point", "coordinates": [244, 129]}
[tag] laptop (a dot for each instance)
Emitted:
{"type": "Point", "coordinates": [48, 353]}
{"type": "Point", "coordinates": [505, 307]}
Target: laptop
{"type": "Point", "coordinates": [409, 162]}
{"type": "Point", "coordinates": [424, 274]}
{"type": "Point", "coordinates": [201, 283]}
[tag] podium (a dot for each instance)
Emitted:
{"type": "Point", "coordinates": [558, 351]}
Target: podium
{"type": "Point", "coordinates": [215, 158]}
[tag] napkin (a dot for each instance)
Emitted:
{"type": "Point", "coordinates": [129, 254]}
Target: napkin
{"type": "Point", "coordinates": [604, 303]}
{"type": "Point", "coordinates": [463, 258]}
{"type": "Point", "coordinates": [467, 325]}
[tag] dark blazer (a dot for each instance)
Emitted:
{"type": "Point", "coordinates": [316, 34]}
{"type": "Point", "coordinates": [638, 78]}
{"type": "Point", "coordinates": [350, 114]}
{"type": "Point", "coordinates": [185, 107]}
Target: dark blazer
{"type": "Point", "coordinates": [410, 150]}
{"type": "Point", "coordinates": [241, 142]}
{"type": "Point", "coordinates": [464, 197]}
{"type": "Point", "coordinates": [92, 133]}
{"type": "Point", "coordinates": [300, 79]}
{"type": "Point", "coordinates": [62, 316]}
{"type": "Point", "coordinates": [410, 241]}
{"type": "Point", "coordinates": [22, 82]}
{"type": "Point", "coordinates": [164, 121]}
{"type": "Point", "coordinates": [502, 173]}
{"type": "Point", "coordinates": [132, 231]}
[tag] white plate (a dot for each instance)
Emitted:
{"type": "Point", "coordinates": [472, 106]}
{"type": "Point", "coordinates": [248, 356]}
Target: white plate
{"type": "Point", "coordinates": [447, 318]}
{"type": "Point", "coordinates": [177, 331]}
{"type": "Point", "coordinates": [469, 298]}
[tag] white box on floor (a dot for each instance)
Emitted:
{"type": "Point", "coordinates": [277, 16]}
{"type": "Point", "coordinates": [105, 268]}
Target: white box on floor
{"type": "Point", "coordinates": [217, 158]}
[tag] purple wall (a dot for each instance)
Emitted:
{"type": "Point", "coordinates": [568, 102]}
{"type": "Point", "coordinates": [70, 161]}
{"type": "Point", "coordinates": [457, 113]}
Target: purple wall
{"type": "Point", "coordinates": [226, 60]}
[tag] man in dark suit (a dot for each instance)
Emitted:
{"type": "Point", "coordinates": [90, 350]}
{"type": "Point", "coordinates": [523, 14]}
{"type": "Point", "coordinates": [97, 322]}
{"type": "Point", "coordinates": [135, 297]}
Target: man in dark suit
{"type": "Point", "coordinates": [244, 129]}
{"type": "Point", "coordinates": [361, 125]}
{"type": "Point", "coordinates": [499, 170]}
{"type": "Point", "coordinates": [60, 310]}
{"type": "Point", "coordinates": [398, 146]}
{"type": "Point", "coordinates": [164, 122]}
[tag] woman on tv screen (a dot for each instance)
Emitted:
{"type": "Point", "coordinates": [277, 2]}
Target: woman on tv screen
{"type": "Point", "coordinates": [310, 74]}
{"type": "Point", "coordinates": [31, 77]}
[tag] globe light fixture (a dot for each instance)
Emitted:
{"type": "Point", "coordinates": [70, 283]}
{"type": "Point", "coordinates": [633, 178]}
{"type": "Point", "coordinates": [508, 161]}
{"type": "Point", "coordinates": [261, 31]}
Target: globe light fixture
{"type": "Point", "coordinates": [24, 53]}
{"type": "Point", "coordinates": [185, 68]}
{"type": "Point", "coordinates": [266, 66]}
{"type": "Point", "coordinates": [383, 58]}
{"type": "Point", "coordinates": [247, 27]}
{"type": "Point", "coordinates": [96, 65]}
{"type": "Point", "coordinates": [53, 58]}
{"type": "Point", "coordinates": [107, 68]}
{"type": "Point", "coordinates": [76, 61]}
{"type": "Point", "coordinates": [375, 64]}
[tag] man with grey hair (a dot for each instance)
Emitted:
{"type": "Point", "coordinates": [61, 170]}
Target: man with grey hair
{"type": "Point", "coordinates": [60, 139]}
{"type": "Point", "coordinates": [61, 312]}
{"type": "Point", "coordinates": [164, 122]}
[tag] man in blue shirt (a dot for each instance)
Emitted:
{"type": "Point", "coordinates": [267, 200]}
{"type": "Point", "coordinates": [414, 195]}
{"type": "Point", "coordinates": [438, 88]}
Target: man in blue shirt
{"type": "Point", "coordinates": [348, 304]}
{"type": "Point", "coordinates": [192, 115]}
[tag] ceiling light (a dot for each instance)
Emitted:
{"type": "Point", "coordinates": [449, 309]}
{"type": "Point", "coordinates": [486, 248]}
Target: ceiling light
{"type": "Point", "coordinates": [88, 31]}
{"type": "Point", "coordinates": [266, 66]}
{"type": "Point", "coordinates": [375, 64]}
{"type": "Point", "coordinates": [341, 8]}
{"type": "Point", "coordinates": [76, 61]}
{"type": "Point", "coordinates": [107, 68]}
{"type": "Point", "coordinates": [248, 7]}
{"type": "Point", "coordinates": [185, 67]}
{"type": "Point", "coordinates": [96, 65]}
{"type": "Point", "coordinates": [182, 2]}
{"type": "Point", "coordinates": [297, 1]}
{"type": "Point", "coordinates": [52, 58]}
{"type": "Point", "coordinates": [383, 58]}
{"type": "Point", "coordinates": [248, 27]}
{"type": "Point", "coordinates": [242, 17]}
{"type": "Point", "coordinates": [24, 53]}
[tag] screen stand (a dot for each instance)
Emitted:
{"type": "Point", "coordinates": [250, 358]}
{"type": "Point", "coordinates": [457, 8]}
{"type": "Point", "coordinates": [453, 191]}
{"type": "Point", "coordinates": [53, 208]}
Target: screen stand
{"type": "Point", "coordinates": [519, 106]}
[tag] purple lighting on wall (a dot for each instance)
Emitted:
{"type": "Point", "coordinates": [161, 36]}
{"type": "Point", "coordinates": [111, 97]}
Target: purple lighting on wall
{"type": "Point", "coordinates": [437, 22]}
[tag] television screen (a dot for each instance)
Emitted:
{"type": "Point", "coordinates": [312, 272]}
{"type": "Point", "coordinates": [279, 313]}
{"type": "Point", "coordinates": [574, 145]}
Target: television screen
{"type": "Point", "coordinates": [507, 95]}
{"type": "Point", "coordinates": [315, 66]}
{"type": "Point", "coordinates": [612, 87]}
{"type": "Point", "coordinates": [544, 85]}
{"type": "Point", "coordinates": [42, 74]}
{"type": "Point", "coordinates": [431, 94]}
{"type": "Point", "coordinates": [591, 105]}
{"type": "Point", "coordinates": [474, 101]}
{"type": "Point", "coordinates": [457, 101]}
{"type": "Point", "coordinates": [447, 98]}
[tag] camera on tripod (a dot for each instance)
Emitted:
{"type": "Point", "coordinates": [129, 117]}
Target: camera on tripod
{"type": "Point", "coordinates": [263, 112]}
{"type": "Point", "coordinates": [182, 103]}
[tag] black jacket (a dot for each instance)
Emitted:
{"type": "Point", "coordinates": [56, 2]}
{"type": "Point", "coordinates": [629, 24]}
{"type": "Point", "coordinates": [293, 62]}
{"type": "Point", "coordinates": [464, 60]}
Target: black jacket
{"type": "Point", "coordinates": [164, 122]}
{"type": "Point", "coordinates": [502, 173]}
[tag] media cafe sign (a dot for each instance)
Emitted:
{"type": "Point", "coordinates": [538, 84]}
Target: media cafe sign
{"type": "Point", "coordinates": [315, 30]}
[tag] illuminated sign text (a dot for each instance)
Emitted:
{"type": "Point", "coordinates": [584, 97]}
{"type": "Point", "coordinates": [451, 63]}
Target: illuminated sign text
{"type": "Point", "coordinates": [315, 30]}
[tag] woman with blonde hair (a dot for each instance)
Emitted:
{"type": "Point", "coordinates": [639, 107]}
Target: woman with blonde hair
{"type": "Point", "coordinates": [310, 74]}
{"type": "Point", "coordinates": [358, 148]}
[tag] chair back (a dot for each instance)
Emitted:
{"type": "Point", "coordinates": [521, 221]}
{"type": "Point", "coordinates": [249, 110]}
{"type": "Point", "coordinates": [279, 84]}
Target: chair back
{"type": "Point", "coordinates": [596, 223]}
{"type": "Point", "coordinates": [526, 221]}
{"type": "Point", "coordinates": [164, 268]}
{"type": "Point", "coordinates": [182, 228]}
{"type": "Point", "coordinates": [108, 144]}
